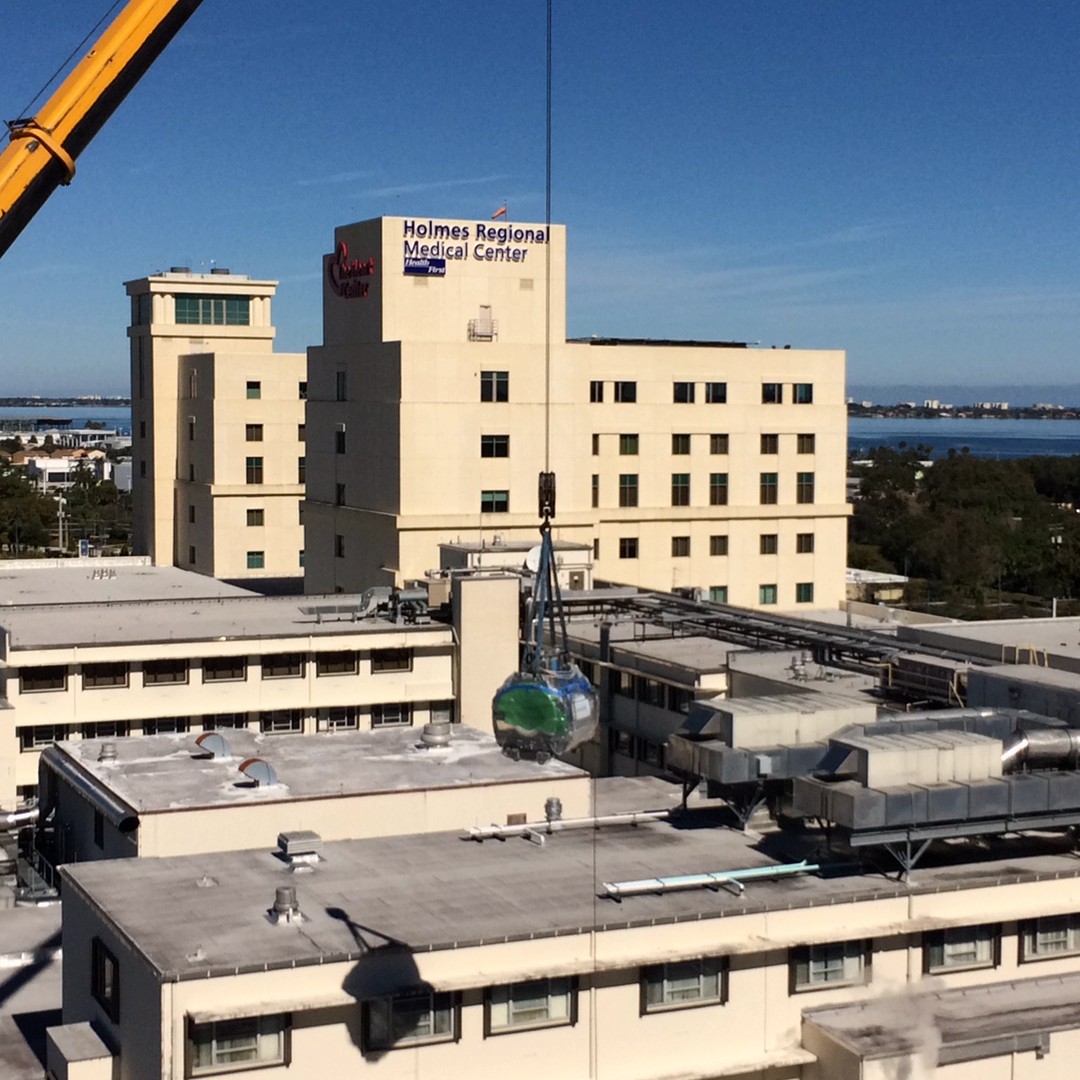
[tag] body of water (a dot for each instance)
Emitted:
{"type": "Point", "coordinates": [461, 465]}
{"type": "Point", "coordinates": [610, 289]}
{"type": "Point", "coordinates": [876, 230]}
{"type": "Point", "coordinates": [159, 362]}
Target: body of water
{"type": "Point", "coordinates": [112, 416]}
{"type": "Point", "coordinates": [984, 438]}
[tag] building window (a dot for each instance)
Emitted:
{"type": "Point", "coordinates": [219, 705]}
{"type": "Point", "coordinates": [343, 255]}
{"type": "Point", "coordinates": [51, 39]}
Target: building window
{"type": "Point", "coordinates": [680, 985]}
{"type": "Point", "coordinates": [301, 432]}
{"type": "Point", "coordinates": [340, 662]}
{"type": "Point", "coordinates": [190, 471]}
{"type": "Point", "coordinates": [804, 444]}
{"type": "Point", "coordinates": [301, 390]}
{"type": "Point", "coordinates": [98, 676]}
{"type": "Point", "coordinates": [41, 735]}
{"type": "Point", "coordinates": [1057, 935]}
{"type": "Point", "coordinates": [339, 494]}
{"type": "Point", "coordinates": [300, 558]}
{"type": "Point", "coordinates": [628, 489]}
{"type": "Point", "coordinates": [595, 490]}
{"type": "Point", "coordinates": [841, 963]}
{"type": "Point", "coordinates": [769, 488]}
{"type": "Point", "coordinates": [172, 725]}
{"type": "Point", "coordinates": [407, 1019]}
{"type": "Point", "coordinates": [804, 592]}
{"type": "Point", "coordinates": [804, 487]}
{"type": "Point", "coordinates": [628, 444]}
{"type": "Point", "coordinates": [106, 729]}
{"type": "Point", "coordinates": [766, 594]}
{"type": "Point", "coordinates": [225, 1046]}
{"type": "Point", "coordinates": [595, 445]}
{"type": "Point", "coordinates": [802, 393]}
{"type": "Point", "coordinates": [283, 666]}
{"type": "Point", "coordinates": [256, 517]}
{"type": "Point", "coordinates": [718, 594]}
{"type": "Point", "coordinates": [164, 672]}
{"type": "Point", "coordinates": [770, 444]}
{"type": "Point", "coordinates": [804, 543]}
{"type": "Point", "coordinates": [391, 660]}
{"type": "Point", "coordinates": [680, 547]}
{"type": "Point", "coordinates": [191, 514]}
{"type": "Point", "coordinates": [142, 470]}
{"type": "Point", "coordinates": [494, 385]}
{"type": "Point", "coordinates": [718, 444]}
{"type": "Point", "coordinates": [494, 446]}
{"type": "Point", "coordinates": [683, 393]}
{"type": "Point", "coordinates": [494, 502]}
{"type": "Point", "coordinates": [718, 545]}
{"type": "Point", "coordinates": [718, 489]}
{"type": "Point", "coordinates": [105, 977]}
{"type": "Point", "coordinates": [680, 489]}
{"type": "Point", "coordinates": [37, 680]}
{"type": "Point", "coordinates": [772, 393]}
{"type": "Point", "coordinates": [227, 721]}
{"type": "Point", "coordinates": [542, 1003]}
{"type": "Point", "coordinates": [254, 390]}
{"type": "Point", "coordinates": [253, 432]}
{"type": "Point", "coordinates": [341, 387]}
{"type": "Point", "coordinates": [282, 722]}
{"type": "Point", "coordinates": [301, 470]}
{"type": "Point", "coordinates": [213, 310]}
{"type": "Point", "coordinates": [626, 392]}
{"type": "Point", "coordinates": [142, 307]}
{"type": "Point", "coordinates": [395, 714]}
{"type": "Point", "coordinates": [339, 546]}
{"type": "Point", "coordinates": [961, 948]}
{"type": "Point", "coordinates": [253, 470]}
{"type": "Point", "coordinates": [596, 391]}
{"type": "Point", "coordinates": [716, 393]}
{"type": "Point", "coordinates": [256, 560]}
{"type": "Point", "coordinates": [142, 429]}
{"type": "Point", "coordinates": [770, 543]}
{"type": "Point", "coordinates": [342, 718]}
{"type": "Point", "coordinates": [339, 441]}
{"type": "Point", "coordinates": [628, 547]}
{"type": "Point", "coordinates": [680, 444]}
{"type": "Point", "coordinates": [191, 555]}
{"type": "Point", "coordinates": [191, 431]}
{"type": "Point", "coordinates": [596, 547]}
{"type": "Point", "coordinates": [224, 669]}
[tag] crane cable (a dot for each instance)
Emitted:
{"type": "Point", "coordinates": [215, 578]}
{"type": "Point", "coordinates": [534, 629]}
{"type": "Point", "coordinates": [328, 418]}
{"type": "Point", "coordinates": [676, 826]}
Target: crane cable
{"type": "Point", "coordinates": [547, 257]}
{"type": "Point", "coordinates": [25, 113]}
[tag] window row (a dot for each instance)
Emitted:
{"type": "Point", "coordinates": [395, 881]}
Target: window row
{"type": "Point", "coordinates": [213, 310]}
{"type": "Point", "coordinates": [214, 669]}
{"type": "Point", "coordinates": [712, 393]}
{"type": "Point", "coordinates": [768, 544]}
{"type": "Point", "coordinates": [629, 444]}
{"type": "Point", "coordinates": [768, 489]}
{"type": "Point", "coordinates": [273, 722]}
{"type": "Point", "coordinates": [424, 1016]}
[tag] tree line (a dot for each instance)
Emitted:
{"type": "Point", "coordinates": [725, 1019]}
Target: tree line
{"type": "Point", "coordinates": [970, 527]}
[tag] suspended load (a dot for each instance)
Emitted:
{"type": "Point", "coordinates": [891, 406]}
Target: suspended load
{"type": "Point", "coordinates": [548, 707]}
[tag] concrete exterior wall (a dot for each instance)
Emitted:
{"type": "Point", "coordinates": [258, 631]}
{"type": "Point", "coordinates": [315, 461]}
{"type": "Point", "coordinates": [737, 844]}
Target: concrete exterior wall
{"type": "Point", "coordinates": [486, 621]}
{"type": "Point", "coordinates": [414, 419]}
{"type": "Point", "coordinates": [193, 379]}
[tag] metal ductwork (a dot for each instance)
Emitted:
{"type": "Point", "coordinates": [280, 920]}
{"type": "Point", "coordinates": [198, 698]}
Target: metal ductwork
{"type": "Point", "coordinates": [1045, 748]}
{"type": "Point", "coordinates": [117, 813]}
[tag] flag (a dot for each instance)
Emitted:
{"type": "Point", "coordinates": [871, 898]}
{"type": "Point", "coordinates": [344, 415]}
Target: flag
{"type": "Point", "coordinates": [501, 212]}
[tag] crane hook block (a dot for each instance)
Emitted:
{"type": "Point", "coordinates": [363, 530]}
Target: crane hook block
{"type": "Point", "coordinates": [547, 495]}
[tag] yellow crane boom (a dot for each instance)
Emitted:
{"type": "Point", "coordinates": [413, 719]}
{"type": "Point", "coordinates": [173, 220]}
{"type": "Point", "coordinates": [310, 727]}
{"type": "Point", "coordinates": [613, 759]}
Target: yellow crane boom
{"type": "Point", "coordinates": [43, 148]}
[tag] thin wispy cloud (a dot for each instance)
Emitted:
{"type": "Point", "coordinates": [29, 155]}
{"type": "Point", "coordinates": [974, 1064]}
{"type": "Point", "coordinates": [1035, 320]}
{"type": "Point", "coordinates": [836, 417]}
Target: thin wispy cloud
{"type": "Point", "coordinates": [431, 185]}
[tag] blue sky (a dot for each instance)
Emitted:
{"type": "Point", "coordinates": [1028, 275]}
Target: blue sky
{"type": "Point", "coordinates": [893, 178]}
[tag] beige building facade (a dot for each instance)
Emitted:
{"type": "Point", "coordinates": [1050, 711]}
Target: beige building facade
{"type": "Point", "coordinates": [700, 465]}
{"type": "Point", "coordinates": [538, 973]}
{"type": "Point", "coordinates": [217, 428]}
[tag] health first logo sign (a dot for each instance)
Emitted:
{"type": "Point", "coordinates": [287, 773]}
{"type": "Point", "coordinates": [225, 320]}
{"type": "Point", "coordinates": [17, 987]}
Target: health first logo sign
{"type": "Point", "coordinates": [349, 278]}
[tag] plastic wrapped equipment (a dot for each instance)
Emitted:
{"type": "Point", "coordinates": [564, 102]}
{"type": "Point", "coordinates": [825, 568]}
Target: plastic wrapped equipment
{"type": "Point", "coordinates": [546, 714]}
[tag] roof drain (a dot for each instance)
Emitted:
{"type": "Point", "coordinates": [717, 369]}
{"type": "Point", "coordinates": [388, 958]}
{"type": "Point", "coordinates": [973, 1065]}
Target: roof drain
{"type": "Point", "coordinates": [732, 880]}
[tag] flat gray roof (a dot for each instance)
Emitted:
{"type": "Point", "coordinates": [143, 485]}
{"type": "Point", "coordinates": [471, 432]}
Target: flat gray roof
{"type": "Point", "coordinates": [245, 616]}
{"type": "Point", "coordinates": [997, 640]}
{"type": "Point", "coordinates": [97, 581]}
{"type": "Point", "coordinates": [987, 1014]}
{"type": "Point", "coordinates": [166, 773]}
{"type": "Point", "coordinates": [32, 990]}
{"type": "Point", "coordinates": [204, 915]}
{"type": "Point", "coordinates": [776, 664]}
{"type": "Point", "coordinates": [649, 641]}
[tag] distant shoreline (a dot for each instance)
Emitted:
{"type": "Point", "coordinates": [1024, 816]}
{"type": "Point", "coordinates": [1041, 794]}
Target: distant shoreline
{"type": "Point", "coordinates": [65, 403]}
{"type": "Point", "coordinates": [963, 412]}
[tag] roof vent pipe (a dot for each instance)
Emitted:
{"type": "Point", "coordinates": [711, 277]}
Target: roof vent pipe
{"type": "Point", "coordinates": [436, 735]}
{"type": "Point", "coordinates": [553, 809]}
{"type": "Point", "coordinates": [107, 752]}
{"type": "Point", "coordinates": [286, 908]}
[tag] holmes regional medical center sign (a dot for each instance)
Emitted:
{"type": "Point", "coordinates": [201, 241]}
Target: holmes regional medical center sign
{"type": "Point", "coordinates": [430, 245]}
